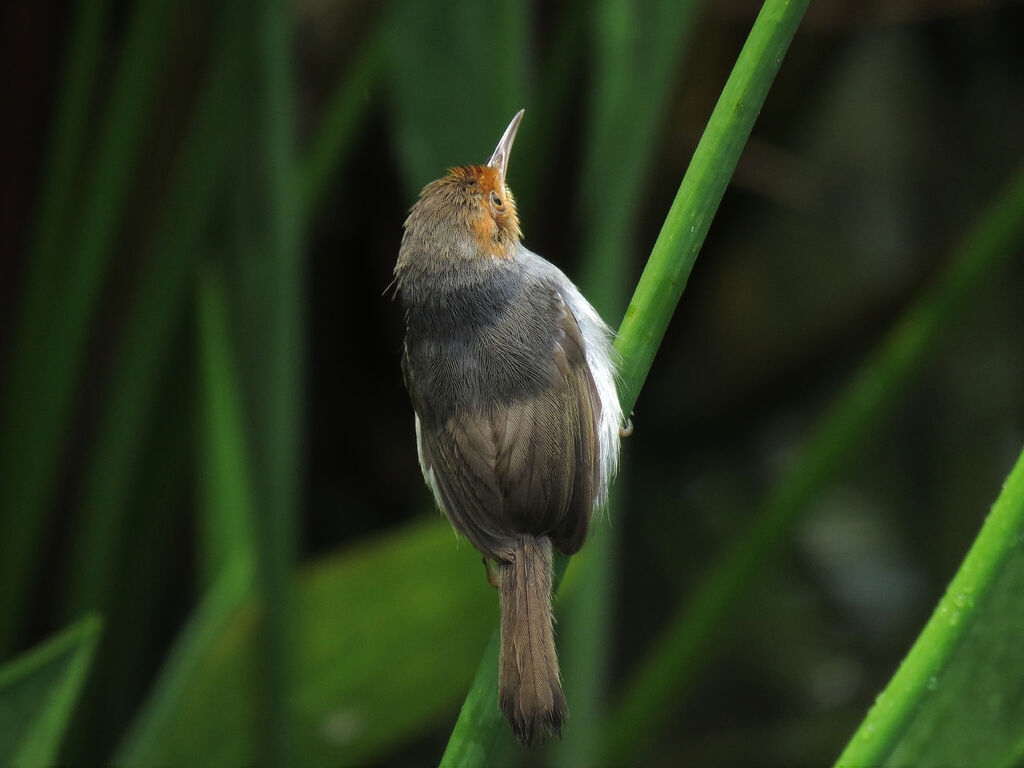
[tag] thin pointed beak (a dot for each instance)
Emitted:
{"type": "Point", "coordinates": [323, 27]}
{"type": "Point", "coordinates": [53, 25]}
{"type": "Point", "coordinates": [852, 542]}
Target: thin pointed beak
{"type": "Point", "coordinates": [499, 159]}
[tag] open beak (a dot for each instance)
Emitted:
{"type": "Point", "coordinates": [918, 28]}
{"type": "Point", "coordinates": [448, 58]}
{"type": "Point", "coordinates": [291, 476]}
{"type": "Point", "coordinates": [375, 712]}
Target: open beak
{"type": "Point", "coordinates": [499, 160]}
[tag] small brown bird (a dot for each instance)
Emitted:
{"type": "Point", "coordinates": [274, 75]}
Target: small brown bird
{"type": "Point", "coordinates": [512, 376]}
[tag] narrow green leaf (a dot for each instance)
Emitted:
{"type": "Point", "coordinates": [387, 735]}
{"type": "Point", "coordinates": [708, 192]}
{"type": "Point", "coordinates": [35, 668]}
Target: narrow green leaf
{"type": "Point", "coordinates": [38, 692]}
{"type": "Point", "coordinates": [154, 732]}
{"type": "Point", "coordinates": [134, 620]}
{"type": "Point", "coordinates": [68, 133]}
{"type": "Point", "coordinates": [970, 646]}
{"type": "Point", "coordinates": [160, 298]}
{"type": "Point", "coordinates": [345, 111]}
{"type": "Point", "coordinates": [661, 285]}
{"type": "Point", "coordinates": [969, 651]}
{"type": "Point", "coordinates": [351, 700]}
{"type": "Point", "coordinates": [474, 55]}
{"type": "Point", "coordinates": [634, 42]}
{"type": "Point", "coordinates": [679, 653]}
{"type": "Point", "coordinates": [224, 476]}
{"type": "Point", "coordinates": [154, 314]}
{"type": "Point", "coordinates": [226, 488]}
{"type": "Point", "coordinates": [275, 353]}
{"type": "Point", "coordinates": [45, 363]}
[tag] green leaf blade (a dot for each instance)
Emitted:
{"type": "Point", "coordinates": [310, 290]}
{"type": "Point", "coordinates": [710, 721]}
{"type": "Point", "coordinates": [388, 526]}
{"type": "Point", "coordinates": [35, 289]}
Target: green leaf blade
{"type": "Point", "coordinates": [351, 700]}
{"type": "Point", "coordinates": [157, 307]}
{"type": "Point", "coordinates": [38, 692]}
{"type": "Point", "coordinates": [47, 355]}
{"type": "Point", "coordinates": [969, 651]}
{"type": "Point", "coordinates": [678, 653]}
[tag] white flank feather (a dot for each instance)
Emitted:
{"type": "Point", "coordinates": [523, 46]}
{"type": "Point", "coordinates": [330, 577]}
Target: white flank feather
{"type": "Point", "coordinates": [602, 359]}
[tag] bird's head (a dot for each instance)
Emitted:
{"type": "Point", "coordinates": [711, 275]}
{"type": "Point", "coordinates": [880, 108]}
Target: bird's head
{"type": "Point", "coordinates": [469, 214]}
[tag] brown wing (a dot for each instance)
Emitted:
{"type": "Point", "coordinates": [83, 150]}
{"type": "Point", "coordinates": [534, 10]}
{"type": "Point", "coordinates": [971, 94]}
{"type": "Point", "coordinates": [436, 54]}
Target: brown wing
{"type": "Point", "coordinates": [526, 466]}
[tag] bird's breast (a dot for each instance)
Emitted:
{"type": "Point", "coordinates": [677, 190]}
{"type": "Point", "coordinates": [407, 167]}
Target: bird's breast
{"type": "Point", "coordinates": [470, 347]}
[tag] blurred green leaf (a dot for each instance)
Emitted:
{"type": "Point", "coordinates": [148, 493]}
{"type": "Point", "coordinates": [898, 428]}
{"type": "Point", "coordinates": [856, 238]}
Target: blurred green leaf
{"type": "Point", "coordinates": [158, 304]}
{"type": "Point", "coordinates": [68, 134]}
{"type": "Point", "coordinates": [345, 111]}
{"type": "Point", "coordinates": [155, 728]}
{"type": "Point", "coordinates": [271, 268]}
{"type": "Point", "coordinates": [473, 56]}
{"type": "Point", "coordinates": [634, 42]}
{"type": "Point", "coordinates": [38, 692]}
{"type": "Point", "coordinates": [47, 356]}
{"type": "Point", "coordinates": [224, 475]}
{"type": "Point", "coordinates": [388, 635]}
{"type": "Point", "coordinates": [680, 652]}
{"type": "Point", "coordinates": [147, 575]}
{"type": "Point", "coordinates": [957, 697]}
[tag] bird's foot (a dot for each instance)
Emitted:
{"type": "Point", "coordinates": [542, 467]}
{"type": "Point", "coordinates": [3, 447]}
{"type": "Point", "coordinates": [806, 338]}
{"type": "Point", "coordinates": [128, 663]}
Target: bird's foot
{"type": "Point", "coordinates": [492, 572]}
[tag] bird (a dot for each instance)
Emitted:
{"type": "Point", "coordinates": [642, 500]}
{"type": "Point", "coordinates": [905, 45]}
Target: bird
{"type": "Point", "coordinates": [512, 377]}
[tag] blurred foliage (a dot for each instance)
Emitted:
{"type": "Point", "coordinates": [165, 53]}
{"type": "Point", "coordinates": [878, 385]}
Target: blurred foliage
{"type": "Point", "coordinates": [369, 623]}
{"type": "Point", "coordinates": [39, 691]}
{"type": "Point", "coordinates": [205, 440]}
{"type": "Point", "coordinates": [968, 651]}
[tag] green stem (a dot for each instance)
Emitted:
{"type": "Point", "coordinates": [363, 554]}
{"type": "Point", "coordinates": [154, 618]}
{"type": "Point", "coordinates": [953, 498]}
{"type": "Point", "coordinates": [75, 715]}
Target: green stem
{"type": "Point", "coordinates": [696, 202]}
{"type": "Point", "coordinates": [480, 724]}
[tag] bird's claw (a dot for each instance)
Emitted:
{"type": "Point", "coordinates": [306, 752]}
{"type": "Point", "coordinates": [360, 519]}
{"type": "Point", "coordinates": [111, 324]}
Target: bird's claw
{"type": "Point", "coordinates": [492, 573]}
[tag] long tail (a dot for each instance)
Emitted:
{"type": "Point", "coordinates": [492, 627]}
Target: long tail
{"type": "Point", "coordinates": [529, 688]}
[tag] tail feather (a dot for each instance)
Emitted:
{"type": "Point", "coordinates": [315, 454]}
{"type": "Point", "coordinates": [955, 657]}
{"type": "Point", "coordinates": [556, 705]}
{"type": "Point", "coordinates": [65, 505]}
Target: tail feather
{"type": "Point", "coordinates": [529, 685]}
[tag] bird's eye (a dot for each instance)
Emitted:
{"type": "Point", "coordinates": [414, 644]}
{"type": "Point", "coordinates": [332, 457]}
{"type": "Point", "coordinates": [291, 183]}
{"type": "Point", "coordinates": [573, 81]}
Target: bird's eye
{"type": "Point", "coordinates": [496, 201]}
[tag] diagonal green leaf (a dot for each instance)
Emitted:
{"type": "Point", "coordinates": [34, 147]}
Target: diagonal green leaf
{"type": "Point", "coordinates": [38, 692]}
{"type": "Point", "coordinates": [634, 42]}
{"type": "Point", "coordinates": [154, 732]}
{"type": "Point", "coordinates": [480, 726]}
{"type": "Point", "coordinates": [227, 540]}
{"type": "Point", "coordinates": [345, 111]}
{"type": "Point", "coordinates": [678, 654]}
{"type": "Point", "coordinates": [969, 651]}
{"type": "Point", "coordinates": [702, 188]}
{"type": "Point", "coordinates": [351, 699]}
{"type": "Point", "coordinates": [135, 618]}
